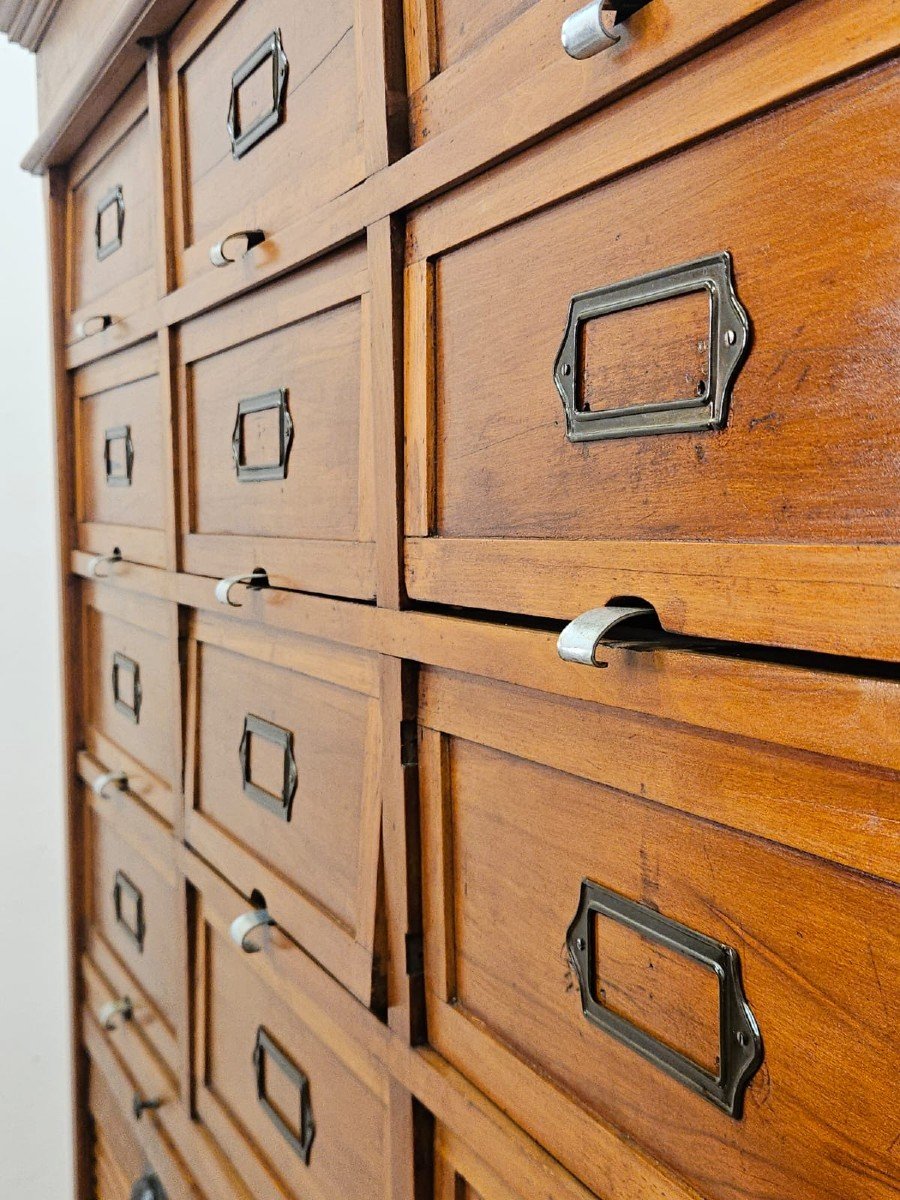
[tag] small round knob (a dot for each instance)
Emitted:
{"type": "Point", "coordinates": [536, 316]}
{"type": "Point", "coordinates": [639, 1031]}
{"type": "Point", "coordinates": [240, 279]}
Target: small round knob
{"type": "Point", "coordinates": [116, 1011]}
{"type": "Point", "coordinates": [139, 1105]}
{"type": "Point", "coordinates": [148, 1187]}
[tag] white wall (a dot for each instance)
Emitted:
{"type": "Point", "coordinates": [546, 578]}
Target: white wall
{"type": "Point", "coordinates": [35, 1141]}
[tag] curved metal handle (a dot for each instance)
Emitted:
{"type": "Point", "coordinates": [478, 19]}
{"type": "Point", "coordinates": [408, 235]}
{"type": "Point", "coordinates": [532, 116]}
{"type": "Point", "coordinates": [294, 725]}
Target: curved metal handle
{"type": "Point", "coordinates": [116, 1008]}
{"type": "Point", "coordinates": [102, 782]}
{"type": "Point", "coordinates": [255, 579]}
{"type": "Point", "coordinates": [250, 238]}
{"type": "Point", "coordinates": [592, 29]}
{"type": "Point", "coordinates": [579, 640]}
{"type": "Point", "coordinates": [139, 1105]}
{"type": "Point", "coordinates": [91, 326]}
{"type": "Point", "coordinates": [97, 561]}
{"type": "Point", "coordinates": [243, 926]}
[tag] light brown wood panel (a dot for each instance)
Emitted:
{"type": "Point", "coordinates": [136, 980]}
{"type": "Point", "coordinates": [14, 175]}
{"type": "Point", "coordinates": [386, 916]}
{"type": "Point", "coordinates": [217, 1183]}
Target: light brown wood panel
{"type": "Point", "coordinates": [117, 503]}
{"type": "Point", "coordinates": [314, 528]}
{"type": "Point", "coordinates": [809, 453]}
{"type": "Point", "coordinates": [315, 154]}
{"type": "Point", "coordinates": [310, 844]}
{"type": "Point", "coordinates": [118, 155]}
{"type": "Point", "coordinates": [346, 1090]}
{"type": "Point", "coordinates": [133, 910]}
{"type": "Point", "coordinates": [507, 842]}
{"type": "Point", "coordinates": [145, 634]}
{"type": "Point", "coordinates": [129, 1071]}
{"type": "Point", "coordinates": [118, 1156]}
{"type": "Point", "coordinates": [671, 340]}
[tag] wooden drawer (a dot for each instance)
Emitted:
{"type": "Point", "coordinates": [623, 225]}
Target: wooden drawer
{"type": "Point", "coordinates": [132, 698]}
{"type": "Point", "coordinates": [560, 838]}
{"type": "Point", "coordinates": [463, 55]}
{"type": "Point", "coordinates": [461, 1173]}
{"type": "Point", "coordinates": [276, 429]}
{"type": "Point", "coordinates": [157, 1140]}
{"type": "Point", "coordinates": [292, 139]}
{"type": "Point", "coordinates": [283, 785]}
{"type": "Point", "coordinates": [299, 1106]}
{"type": "Point", "coordinates": [111, 220]}
{"type": "Point", "coordinates": [118, 1157]}
{"type": "Point", "coordinates": [122, 483]}
{"type": "Point", "coordinates": [779, 527]}
{"type": "Point", "coordinates": [135, 917]}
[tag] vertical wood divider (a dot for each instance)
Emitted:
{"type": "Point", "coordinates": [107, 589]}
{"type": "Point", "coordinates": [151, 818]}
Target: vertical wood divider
{"type": "Point", "coordinates": [56, 210]}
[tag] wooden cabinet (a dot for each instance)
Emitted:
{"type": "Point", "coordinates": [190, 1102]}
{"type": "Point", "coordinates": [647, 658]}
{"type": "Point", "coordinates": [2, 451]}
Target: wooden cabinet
{"type": "Point", "coordinates": [477, 461]}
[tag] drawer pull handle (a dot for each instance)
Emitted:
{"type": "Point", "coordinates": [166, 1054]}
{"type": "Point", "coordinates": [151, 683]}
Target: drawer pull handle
{"type": "Point", "coordinates": [102, 782]}
{"type": "Point", "coordinates": [267, 402]}
{"type": "Point", "coordinates": [139, 1105]}
{"type": "Point", "coordinates": [128, 902]}
{"type": "Point", "coordinates": [725, 341]}
{"type": "Point", "coordinates": [242, 926]}
{"type": "Point", "coordinates": [99, 560]}
{"type": "Point", "coordinates": [118, 472]}
{"type": "Point", "coordinates": [91, 326]}
{"type": "Point", "coordinates": [220, 257]}
{"type": "Point", "coordinates": [301, 1138]}
{"type": "Point", "coordinates": [580, 639]}
{"type": "Point", "coordinates": [148, 1187]}
{"type": "Point", "coordinates": [113, 198]}
{"type": "Point", "coordinates": [592, 29]}
{"type": "Point", "coordinates": [127, 702]}
{"type": "Point", "coordinates": [242, 139]}
{"type": "Point", "coordinates": [740, 1048]}
{"type": "Point", "coordinates": [111, 1013]}
{"type": "Point", "coordinates": [279, 804]}
{"type": "Point", "coordinates": [256, 579]}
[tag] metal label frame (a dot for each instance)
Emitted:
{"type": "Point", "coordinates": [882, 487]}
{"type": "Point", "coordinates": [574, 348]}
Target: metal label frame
{"type": "Point", "coordinates": [284, 740]}
{"type": "Point", "coordinates": [300, 1141]}
{"type": "Point", "coordinates": [114, 196]}
{"type": "Point", "coordinates": [740, 1043]}
{"type": "Point", "coordinates": [121, 433]}
{"type": "Point", "coordinates": [263, 403]}
{"type": "Point", "coordinates": [729, 338]}
{"type": "Point", "coordinates": [136, 932]}
{"type": "Point", "coordinates": [243, 140]}
{"type": "Point", "coordinates": [121, 662]}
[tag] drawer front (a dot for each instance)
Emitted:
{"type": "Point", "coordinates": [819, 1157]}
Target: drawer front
{"type": "Point", "coordinates": [118, 1159]}
{"type": "Point", "coordinates": [462, 55]}
{"type": "Point", "coordinates": [275, 416]}
{"type": "Point", "coordinates": [284, 761]}
{"type": "Point", "coordinates": [300, 1110]}
{"type": "Point", "coordinates": [120, 458]}
{"type": "Point", "coordinates": [716, 997]}
{"type": "Point", "coordinates": [112, 219]}
{"type": "Point", "coordinates": [269, 117]}
{"type": "Point", "coordinates": [131, 696]}
{"type": "Point", "coordinates": [134, 914]}
{"type": "Point", "coordinates": [807, 448]}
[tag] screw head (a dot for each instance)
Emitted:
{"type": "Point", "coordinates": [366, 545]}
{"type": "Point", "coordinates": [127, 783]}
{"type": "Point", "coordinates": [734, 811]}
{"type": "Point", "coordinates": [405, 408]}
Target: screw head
{"type": "Point", "coordinates": [730, 337]}
{"type": "Point", "coordinates": [579, 943]}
